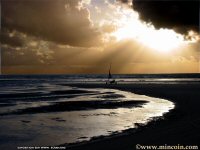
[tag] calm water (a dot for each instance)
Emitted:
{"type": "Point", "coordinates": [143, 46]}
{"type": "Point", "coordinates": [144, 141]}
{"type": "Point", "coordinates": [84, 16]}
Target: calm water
{"type": "Point", "coordinates": [143, 78]}
{"type": "Point", "coordinates": [42, 111]}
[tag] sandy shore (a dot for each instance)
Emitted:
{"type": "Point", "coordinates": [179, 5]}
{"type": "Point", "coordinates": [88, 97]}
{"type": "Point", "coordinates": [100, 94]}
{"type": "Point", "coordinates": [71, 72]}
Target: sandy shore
{"type": "Point", "coordinates": [180, 126]}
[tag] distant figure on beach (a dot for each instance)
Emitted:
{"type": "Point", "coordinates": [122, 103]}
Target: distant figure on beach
{"type": "Point", "coordinates": [110, 79]}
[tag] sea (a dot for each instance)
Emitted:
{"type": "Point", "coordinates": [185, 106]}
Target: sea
{"type": "Point", "coordinates": [49, 110]}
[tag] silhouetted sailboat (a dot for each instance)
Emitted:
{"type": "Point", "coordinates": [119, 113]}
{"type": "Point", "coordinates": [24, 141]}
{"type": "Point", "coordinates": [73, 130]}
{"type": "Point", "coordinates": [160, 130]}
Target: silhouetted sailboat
{"type": "Point", "coordinates": [110, 79]}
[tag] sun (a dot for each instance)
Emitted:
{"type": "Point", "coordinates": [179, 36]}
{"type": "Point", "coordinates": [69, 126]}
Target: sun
{"type": "Point", "coordinates": [161, 40]}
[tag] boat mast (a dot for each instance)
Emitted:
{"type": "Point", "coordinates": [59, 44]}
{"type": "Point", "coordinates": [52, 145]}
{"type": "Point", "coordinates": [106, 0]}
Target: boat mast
{"type": "Point", "coordinates": [110, 76]}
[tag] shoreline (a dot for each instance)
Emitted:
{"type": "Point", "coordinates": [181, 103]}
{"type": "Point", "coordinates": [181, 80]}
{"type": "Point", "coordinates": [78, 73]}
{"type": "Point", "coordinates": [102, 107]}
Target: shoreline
{"type": "Point", "coordinates": [171, 128]}
{"type": "Point", "coordinates": [139, 127]}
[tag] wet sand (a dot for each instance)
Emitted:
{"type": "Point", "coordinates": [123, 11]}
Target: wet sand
{"type": "Point", "coordinates": [180, 126]}
{"type": "Point", "coordinates": [72, 114]}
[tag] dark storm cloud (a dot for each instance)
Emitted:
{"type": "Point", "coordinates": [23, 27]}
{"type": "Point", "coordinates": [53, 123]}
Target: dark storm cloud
{"type": "Point", "coordinates": [182, 15]}
{"type": "Point", "coordinates": [61, 21]}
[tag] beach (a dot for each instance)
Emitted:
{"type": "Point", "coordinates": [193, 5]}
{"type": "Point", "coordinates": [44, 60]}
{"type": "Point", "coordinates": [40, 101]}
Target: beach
{"type": "Point", "coordinates": [100, 74]}
{"type": "Point", "coordinates": [85, 113]}
{"type": "Point", "coordinates": [180, 126]}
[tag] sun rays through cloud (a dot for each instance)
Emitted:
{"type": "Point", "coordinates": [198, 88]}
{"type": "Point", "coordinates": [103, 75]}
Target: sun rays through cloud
{"type": "Point", "coordinates": [162, 40]}
{"type": "Point", "coordinates": [84, 36]}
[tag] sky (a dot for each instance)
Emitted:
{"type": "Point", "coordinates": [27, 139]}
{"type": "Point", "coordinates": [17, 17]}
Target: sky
{"type": "Point", "coordinates": [85, 36]}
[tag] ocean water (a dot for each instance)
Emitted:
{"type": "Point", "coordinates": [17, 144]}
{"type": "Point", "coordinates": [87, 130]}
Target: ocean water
{"type": "Point", "coordinates": [99, 78]}
{"type": "Point", "coordinates": [46, 110]}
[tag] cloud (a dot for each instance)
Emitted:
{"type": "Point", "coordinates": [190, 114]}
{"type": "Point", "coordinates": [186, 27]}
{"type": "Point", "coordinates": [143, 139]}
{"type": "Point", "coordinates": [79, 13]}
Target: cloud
{"type": "Point", "coordinates": [61, 21]}
{"type": "Point", "coordinates": [182, 15]}
{"type": "Point", "coordinates": [126, 1]}
{"type": "Point", "coordinates": [127, 56]}
{"type": "Point", "coordinates": [32, 51]}
{"type": "Point", "coordinates": [16, 56]}
{"type": "Point", "coordinates": [58, 36]}
{"type": "Point", "coordinates": [10, 38]}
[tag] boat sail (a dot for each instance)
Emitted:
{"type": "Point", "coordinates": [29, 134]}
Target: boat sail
{"type": "Point", "coordinates": [110, 78]}
{"type": "Point", "coordinates": [109, 75]}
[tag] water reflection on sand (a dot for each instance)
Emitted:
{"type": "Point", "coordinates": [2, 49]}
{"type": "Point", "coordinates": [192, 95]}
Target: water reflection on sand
{"type": "Point", "coordinates": [86, 114]}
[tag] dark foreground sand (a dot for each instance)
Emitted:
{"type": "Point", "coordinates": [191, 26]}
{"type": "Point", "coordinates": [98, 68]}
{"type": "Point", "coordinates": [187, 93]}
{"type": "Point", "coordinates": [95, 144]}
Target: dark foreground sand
{"type": "Point", "coordinates": [180, 126]}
